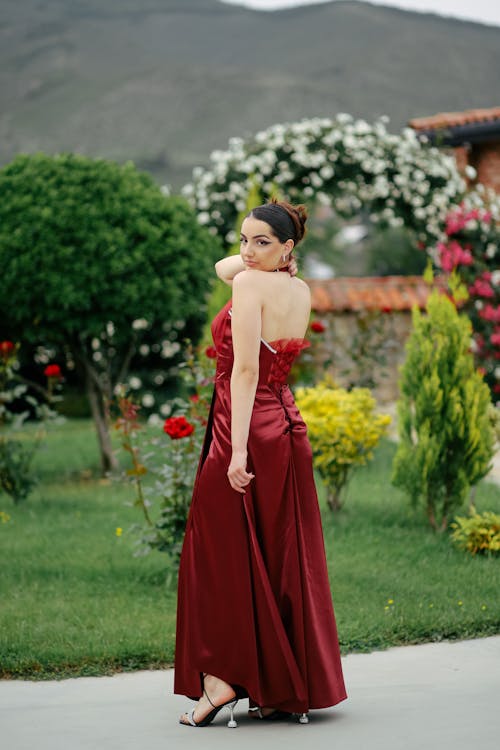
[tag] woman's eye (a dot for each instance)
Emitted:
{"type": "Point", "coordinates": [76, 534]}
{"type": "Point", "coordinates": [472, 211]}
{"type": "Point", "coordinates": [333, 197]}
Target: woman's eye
{"type": "Point", "coordinates": [242, 241]}
{"type": "Point", "coordinates": [263, 242]}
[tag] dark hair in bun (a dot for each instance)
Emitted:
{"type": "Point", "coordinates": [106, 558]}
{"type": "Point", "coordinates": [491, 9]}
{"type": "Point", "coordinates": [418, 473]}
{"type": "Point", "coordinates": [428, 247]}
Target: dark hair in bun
{"type": "Point", "coordinates": [286, 221]}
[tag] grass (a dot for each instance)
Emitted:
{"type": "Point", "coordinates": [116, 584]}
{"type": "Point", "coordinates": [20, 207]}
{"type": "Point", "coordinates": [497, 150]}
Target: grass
{"type": "Point", "coordinates": [74, 600]}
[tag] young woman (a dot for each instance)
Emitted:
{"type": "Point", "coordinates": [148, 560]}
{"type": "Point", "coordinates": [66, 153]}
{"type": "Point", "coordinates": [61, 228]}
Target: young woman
{"type": "Point", "coordinates": [255, 616]}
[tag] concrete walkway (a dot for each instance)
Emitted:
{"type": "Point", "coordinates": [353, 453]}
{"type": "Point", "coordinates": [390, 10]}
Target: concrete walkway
{"type": "Point", "coordinates": [438, 696]}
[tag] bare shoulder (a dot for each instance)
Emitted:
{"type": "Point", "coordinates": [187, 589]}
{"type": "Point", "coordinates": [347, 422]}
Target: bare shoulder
{"type": "Point", "coordinates": [248, 282]}
{"type": "Point", "coordinates": [301, 284]}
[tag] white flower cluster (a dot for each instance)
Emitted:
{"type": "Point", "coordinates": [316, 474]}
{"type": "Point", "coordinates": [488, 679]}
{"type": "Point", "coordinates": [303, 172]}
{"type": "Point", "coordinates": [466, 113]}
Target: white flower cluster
{"type": "Point", "coordinates": [343, 162]}
{"type": "Point", "coordinates": [484, 198]}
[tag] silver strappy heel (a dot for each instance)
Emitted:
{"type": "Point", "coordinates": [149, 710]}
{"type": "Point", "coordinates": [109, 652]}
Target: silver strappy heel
{"type": "Point", "coordinates": [232, 723]}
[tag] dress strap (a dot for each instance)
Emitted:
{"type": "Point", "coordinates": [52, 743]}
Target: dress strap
{"type": "Point", "coordinates": [263, 341]}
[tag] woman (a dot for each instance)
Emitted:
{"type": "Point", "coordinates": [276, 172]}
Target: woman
{"type": "Point", "coordinates": [255, 617]}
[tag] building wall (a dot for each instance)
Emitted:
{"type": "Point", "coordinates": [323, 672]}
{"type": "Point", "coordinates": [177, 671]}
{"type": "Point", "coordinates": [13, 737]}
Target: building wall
{"type": "Point", "coordinates": [363, 349]}
{"type": "Point", "coordinates": [485, 158]}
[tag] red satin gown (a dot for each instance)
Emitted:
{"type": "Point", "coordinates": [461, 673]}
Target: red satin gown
{"type": "Point", "coordinates": [254, 601]}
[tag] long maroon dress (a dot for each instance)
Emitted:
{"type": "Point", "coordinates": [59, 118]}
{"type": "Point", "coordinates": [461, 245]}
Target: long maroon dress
{"type": "Point", "coordinates": [254, 602]}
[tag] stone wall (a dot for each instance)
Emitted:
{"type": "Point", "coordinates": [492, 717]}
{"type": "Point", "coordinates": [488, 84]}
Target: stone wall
{"type": "Point", "coordinates": [363, 349]}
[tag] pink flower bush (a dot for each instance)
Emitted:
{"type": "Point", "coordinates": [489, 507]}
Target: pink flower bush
{"type": "Point", "coordinates": [453, 255]}
{"type": "Point", "coordinates": [471, 250]}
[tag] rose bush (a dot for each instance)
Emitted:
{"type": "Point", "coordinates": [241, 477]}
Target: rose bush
{"type": "Point", "coordinates": [469, 251]}
{"type": "Point", "coordinates": [17, 404]}
{"type": "Point", "coordinates": [162, 471]}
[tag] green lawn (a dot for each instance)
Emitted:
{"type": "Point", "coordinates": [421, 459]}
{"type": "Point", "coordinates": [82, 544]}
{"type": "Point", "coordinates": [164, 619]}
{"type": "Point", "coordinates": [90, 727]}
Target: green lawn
{"type": "Point", "coordinates": [75, 601]}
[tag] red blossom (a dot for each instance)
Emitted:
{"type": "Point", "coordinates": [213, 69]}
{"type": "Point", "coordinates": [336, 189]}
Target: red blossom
{"type": "Point", "coordinates": [459, 219]}
{"type": "Point", "coordinates": [386, 309]}
{"type": "Point", "coordinates": [178, 427]}
{"type": "Point", "coordinates": [211, 352]}
{"type": "Point", "coordinates": [495, 339]}
{"type": "Point", "coordinates": [318, 327]}
{"type": "Point", "coordinates": [194, 398]}
{"type": "Point", "coordinates": [481, 288]}
{"type": "Point", "coordinates": [490, 313]}
{"type": "Point", "coordinates": [52, 371]}
{"type": "Point", "coordinates": [453, 255]}
{"type": "Point", "coordinates": [6, 348]}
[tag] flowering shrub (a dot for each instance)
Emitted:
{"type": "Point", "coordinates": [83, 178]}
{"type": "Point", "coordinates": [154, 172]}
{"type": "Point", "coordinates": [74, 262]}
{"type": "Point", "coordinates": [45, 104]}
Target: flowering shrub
{"type": "Point", "coordinates": [16, 475]}
{"type": "Point", "coordinates": [343, 429]}
{"type": "Point", "coordinates": [170, 463]}
{"type": "Point", "coordinates": [342, 162]}
{"type": "Point", "coordinates": [470, 250]}
{"type": "Point", "coordinates": [478, 534]}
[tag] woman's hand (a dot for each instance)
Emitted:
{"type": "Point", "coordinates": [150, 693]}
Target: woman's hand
{"type": "Point", "coordinates": [237, 473]}
{"type": "Point", "coordinates": [292, 267]}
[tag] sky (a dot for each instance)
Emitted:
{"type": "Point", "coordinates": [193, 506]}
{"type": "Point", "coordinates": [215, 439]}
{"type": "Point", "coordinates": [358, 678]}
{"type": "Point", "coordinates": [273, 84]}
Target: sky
{"type": "Point", "coordinates": [484, 11]}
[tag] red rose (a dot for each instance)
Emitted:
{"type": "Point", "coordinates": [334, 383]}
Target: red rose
{"type": "Point", "coordinates": [52, 371]}
{"type": "Point", "coordinates": [386, 309]}
{"type": "Point", "coordinates": [194, 398]}
{"type": "Point", "coordinates": [178, 427]}
{"type": "Point", "coordinates": [318, 327]}
{"type": "Point", "coordinates": [6, 348]}
{"type": "Point", "coordinates": [211, 352]}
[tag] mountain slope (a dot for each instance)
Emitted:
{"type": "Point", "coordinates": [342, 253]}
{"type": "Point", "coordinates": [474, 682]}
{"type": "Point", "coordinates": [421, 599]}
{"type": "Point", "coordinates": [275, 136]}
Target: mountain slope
{"type": "Point", "coordinates": [162, 82]}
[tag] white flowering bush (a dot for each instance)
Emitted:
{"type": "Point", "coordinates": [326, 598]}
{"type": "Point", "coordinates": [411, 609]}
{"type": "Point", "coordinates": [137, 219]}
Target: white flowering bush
{"type": "Point", "coordinates": [342, 162]}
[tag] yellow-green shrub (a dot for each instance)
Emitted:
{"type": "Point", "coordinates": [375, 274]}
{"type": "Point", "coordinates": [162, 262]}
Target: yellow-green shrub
{"type": "Point", "coordinates": [343, 429]}
{"type": "Point", "coordinates": [480, 532]}
{"type": "Point", "coordinates": [445, 431]}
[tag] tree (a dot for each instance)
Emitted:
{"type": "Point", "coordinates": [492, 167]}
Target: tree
{"type": "Point", "coordinates": [221, 292]}
{"type": "Point", "coordinates": [446, 437]}
{"type": "Point", "coordinates": [87, 245]}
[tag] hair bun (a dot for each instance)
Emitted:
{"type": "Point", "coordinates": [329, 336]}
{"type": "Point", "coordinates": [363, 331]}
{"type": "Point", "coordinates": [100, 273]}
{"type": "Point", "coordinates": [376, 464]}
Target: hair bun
{"type": "Point", "coordinates": [298, 215]}
{"type": "Point", "coordinates": [301, 212]}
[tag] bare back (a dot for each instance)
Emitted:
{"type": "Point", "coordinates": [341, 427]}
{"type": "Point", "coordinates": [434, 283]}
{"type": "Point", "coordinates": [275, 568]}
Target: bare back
{"type": "Point", "coordinates": [286, 307]}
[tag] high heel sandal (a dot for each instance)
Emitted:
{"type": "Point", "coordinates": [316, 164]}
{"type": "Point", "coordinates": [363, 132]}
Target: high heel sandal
{"type": "Point", "coordinates": [232, 723]}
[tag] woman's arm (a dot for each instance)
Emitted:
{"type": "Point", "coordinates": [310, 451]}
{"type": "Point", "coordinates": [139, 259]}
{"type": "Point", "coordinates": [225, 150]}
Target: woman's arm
{"type": "Point", "coordinates": [227, 268]}
{"type": "Point", "coordinates": [246, 325]}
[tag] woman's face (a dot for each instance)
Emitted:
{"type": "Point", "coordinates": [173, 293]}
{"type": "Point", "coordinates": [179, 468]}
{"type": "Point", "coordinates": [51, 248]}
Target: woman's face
{"type": "Point", "coordinates": [260, 249]}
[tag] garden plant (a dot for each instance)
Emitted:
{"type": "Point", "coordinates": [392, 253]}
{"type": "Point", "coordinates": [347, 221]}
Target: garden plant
{"type": "Point", "coordinates": [100, 257]}
{"type": "Point", "coordinates": [343, 430]}
{"type": "Point", "coordinates": [445, 433]}
{"type": "Point", "coordinates": [18, 402]}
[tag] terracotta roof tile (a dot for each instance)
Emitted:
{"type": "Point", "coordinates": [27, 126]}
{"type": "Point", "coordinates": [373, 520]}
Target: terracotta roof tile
{"type": "Point", "coordinates": [453, 119]}
{"type": "Point", "coordinates": [351, 293]}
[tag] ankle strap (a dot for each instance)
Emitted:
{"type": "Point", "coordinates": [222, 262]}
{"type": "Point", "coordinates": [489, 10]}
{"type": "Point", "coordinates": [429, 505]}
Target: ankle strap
{"type": "Point", "coordinates": [208, 699]}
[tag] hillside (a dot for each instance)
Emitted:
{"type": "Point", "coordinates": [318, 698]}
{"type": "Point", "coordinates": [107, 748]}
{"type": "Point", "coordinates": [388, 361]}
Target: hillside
{"type": "Point", "coordinates": [163, 82]}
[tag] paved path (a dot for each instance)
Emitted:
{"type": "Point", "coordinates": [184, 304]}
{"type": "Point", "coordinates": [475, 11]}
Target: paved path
{"type": "Point", "coordinates": [438, 696]}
